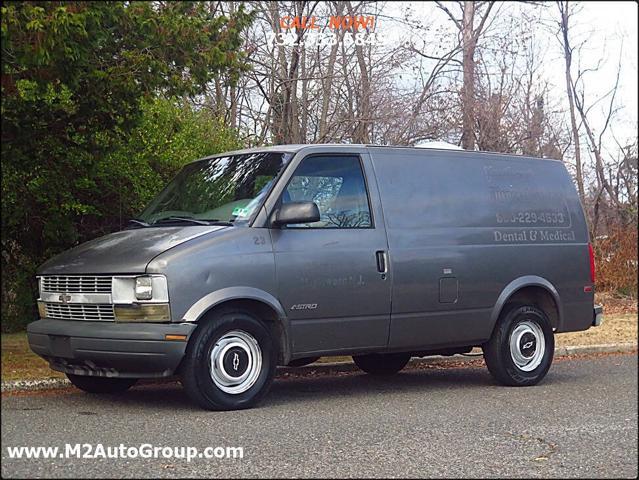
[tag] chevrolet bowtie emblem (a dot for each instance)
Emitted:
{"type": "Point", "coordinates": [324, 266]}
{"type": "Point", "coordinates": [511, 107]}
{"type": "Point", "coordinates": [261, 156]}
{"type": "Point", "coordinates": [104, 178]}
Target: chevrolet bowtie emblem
{"type": "Point", "coordinates": [64, 298]}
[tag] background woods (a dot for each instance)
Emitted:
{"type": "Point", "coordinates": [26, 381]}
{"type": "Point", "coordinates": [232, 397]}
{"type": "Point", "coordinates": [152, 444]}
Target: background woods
{"type": "Point", "coordinates": [103, 102]}
{"type": "Point", "coordinates": [95, 118]}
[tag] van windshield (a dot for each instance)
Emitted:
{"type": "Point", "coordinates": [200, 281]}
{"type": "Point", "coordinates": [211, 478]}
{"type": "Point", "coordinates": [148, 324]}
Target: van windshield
{"type": "Point", "coordinates": [221, 189]}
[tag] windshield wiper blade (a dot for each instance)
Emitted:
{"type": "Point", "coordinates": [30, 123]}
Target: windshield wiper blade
{"type": "Point", "coordinates": [182, 219]}
{"type": "Point", "coordinates": [137, 221]}
{"type": "Point", "coordinates": [220, 222]}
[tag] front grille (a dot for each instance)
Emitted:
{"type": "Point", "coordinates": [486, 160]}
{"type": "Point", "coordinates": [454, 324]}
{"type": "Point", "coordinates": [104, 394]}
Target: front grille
{"type": "Point", "coordinates": [75, 311]}
{"type": "Point", "coordinates": [76, 284]}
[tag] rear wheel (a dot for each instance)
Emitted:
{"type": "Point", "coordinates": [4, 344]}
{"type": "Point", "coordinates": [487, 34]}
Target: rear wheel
{"type": "Point", "coordinates": [522, 347]}
{"type": "Point", "coordinates": [230, 361]}
{"type": "Point", "coordinates": [382, 363]}
{"type": "Point", "coordinates": [101, 384]}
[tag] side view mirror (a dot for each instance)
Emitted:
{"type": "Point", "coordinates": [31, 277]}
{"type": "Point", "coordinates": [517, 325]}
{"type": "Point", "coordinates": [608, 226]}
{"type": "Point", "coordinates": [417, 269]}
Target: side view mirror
{"type": "Point", "coordinates": [295, 213]}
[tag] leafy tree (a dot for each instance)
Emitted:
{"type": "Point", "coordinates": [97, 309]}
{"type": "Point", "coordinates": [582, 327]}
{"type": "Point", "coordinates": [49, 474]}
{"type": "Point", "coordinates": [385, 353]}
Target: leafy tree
{"type": "Point", "coordinates": [78, 83]}
{"type": "Point", "coordinates": [168, 136]}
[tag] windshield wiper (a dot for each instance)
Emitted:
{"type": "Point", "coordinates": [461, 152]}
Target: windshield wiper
{"type": "Point", "coordinates": [220, 222]}
{"type": "Point", "coordinates": [182, 219]}
{"type": "Point", "coordinates": [137, 221]}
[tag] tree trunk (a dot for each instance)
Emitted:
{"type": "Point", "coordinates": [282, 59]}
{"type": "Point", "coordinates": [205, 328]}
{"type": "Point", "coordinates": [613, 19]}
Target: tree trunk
{"type": "Point", "coordinates": [327, 81]}
{"type": "Point", "coordinates": [469, 42]}
{"type": "Point", "coordinates": [233, 107]}
{"type": "Point", "coordinates": [362, 130]}
{"type": "Point", "coordinates": [302, 109]}
{"type": "Point", "coordinates": [563, 8]}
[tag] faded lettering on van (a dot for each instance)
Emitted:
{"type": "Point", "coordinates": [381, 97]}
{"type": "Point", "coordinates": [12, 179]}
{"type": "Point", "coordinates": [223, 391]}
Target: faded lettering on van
{"type": "Point", "coordinates": [507, 194]}
{"type": "Point", "coordinates": [532, 217]}
{"type": "Point", "coordinates": [537, 235]}
{"type": "Point", "coordinates": [512, 190]}
{"type": "Point", "coordinates": [350, 280]}
{"type": "Point", "coordinates": [501, 174]}
{"type": "Point", "coordinates": [556, 236]}
{"type": "Point", "coordinates": [511, 237]}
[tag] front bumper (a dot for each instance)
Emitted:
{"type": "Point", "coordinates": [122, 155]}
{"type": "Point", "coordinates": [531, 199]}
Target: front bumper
{"type": "Point", "coordinates": [597, 316]}
{"type": "Point", "coordinates": [108, 349]}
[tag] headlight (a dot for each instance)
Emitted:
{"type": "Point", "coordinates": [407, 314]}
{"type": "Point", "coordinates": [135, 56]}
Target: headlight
{"type": "Point", "coordinates": [141, 299]}
{"type": "Point", "coordinates": [144, 288]}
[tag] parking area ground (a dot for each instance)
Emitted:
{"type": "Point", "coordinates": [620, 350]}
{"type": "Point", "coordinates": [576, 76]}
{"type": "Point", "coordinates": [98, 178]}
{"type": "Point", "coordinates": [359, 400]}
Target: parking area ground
{"type": "Point", "coordinates": [445, 421]}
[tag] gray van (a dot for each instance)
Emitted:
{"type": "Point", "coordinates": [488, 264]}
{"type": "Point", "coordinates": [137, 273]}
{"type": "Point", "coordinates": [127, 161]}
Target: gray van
{"type": "Point", "coordinates": [278, 256]}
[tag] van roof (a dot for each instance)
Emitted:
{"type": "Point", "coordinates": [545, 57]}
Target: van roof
{"type": "Point", "coordinates": [294, 148]}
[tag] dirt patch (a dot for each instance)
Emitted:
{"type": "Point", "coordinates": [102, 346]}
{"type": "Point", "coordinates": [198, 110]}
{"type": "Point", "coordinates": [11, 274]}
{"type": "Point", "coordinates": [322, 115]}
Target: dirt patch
{"type": "Point", "coordinates": [615, 329]}
{"type": "Point", "coordinates": [20, 363]}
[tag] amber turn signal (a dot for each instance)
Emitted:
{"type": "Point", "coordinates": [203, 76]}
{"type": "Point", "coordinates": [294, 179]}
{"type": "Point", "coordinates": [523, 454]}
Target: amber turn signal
{"type": "Point", "coordinates": [42, 310]}
{"type": "Point", "coordinates": [175, 338]}
{"type": "Point", "coordinates": [158, 312]}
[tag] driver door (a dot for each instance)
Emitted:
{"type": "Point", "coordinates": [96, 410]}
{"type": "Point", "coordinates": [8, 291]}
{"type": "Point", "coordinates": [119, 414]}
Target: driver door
{"type": "Point", "coordinates": [332, 275]}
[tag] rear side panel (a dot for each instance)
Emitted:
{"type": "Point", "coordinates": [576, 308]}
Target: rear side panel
{"type": "Point", "coordinates": [462, 226]}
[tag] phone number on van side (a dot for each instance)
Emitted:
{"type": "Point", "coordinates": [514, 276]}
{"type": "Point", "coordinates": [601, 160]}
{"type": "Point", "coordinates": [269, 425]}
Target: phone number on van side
{"type": "Point", "coordinates": [548, 218]}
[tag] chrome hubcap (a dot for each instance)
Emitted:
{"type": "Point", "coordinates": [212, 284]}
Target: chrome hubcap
{"type": "Point", "coordinates": [527, 345]}
{"type": "Point", "coordinates": [235, 362]}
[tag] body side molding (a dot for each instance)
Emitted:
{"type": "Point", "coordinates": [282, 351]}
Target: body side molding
{"type": "Point", "coordinates": [232, 293]}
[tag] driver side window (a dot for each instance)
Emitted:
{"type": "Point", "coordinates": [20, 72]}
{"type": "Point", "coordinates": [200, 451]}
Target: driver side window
{"type": "Point", "coordinates": [336, 185]}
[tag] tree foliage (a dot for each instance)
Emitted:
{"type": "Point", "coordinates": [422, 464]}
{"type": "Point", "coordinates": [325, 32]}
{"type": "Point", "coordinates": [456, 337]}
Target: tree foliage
{"type": "Point", "coordinates": [85, 139]}
{"type": "Point", "coordinates": [168, 135]}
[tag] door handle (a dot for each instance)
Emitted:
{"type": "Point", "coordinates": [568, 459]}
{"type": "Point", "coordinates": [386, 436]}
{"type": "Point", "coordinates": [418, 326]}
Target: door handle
{"type": "Point", "coordinates": [382, 264]}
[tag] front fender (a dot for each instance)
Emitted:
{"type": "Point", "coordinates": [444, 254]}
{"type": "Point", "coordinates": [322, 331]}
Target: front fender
{"type": "Point", "coordinates": [223, 295]}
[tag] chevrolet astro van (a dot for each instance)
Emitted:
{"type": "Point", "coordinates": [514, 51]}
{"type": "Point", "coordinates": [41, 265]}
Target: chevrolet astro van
{"type": "Point", "coordinates": [277, 256]}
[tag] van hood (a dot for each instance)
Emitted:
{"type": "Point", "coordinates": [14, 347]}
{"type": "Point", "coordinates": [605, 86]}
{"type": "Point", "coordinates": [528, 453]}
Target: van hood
{"type": "Point", "coordinates": [127, 251]}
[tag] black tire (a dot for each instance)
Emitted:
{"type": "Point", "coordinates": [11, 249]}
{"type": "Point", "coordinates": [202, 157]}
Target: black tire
{"type": "Point", "coordinates": [382, 363]}
{"type": "Point", "coordinates": [101, 384]}
{"type": "Point", "coordinates": [197, 375]}
{"type": "Point", "coordinates": [302, 362]}
{"type": "Point", "coordinates": [498, 353]}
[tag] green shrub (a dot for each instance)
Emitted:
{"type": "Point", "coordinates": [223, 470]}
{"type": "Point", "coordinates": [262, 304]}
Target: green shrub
{"type": "Point", "coordinates": [120, 185]}
{"type": "Point", "coordinates": [84, 143]}
{"type": "Point", "coordinates": [169, 135]}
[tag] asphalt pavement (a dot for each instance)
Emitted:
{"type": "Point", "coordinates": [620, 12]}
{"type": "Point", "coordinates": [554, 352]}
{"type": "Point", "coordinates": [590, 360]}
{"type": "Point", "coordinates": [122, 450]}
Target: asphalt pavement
{"type": "Point", "coordinates": [424, 422]}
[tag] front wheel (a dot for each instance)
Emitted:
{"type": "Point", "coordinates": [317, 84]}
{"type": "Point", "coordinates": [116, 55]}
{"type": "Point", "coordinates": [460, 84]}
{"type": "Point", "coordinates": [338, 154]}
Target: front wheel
{"type": "Point", "coordinates": [382, 363]}
{"type": "Point", "coordinates": [230, 361]}
{"type": "Point", "coordinates": [522, 347]}
{"type": "Point", "coordinates": [101, 384]}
